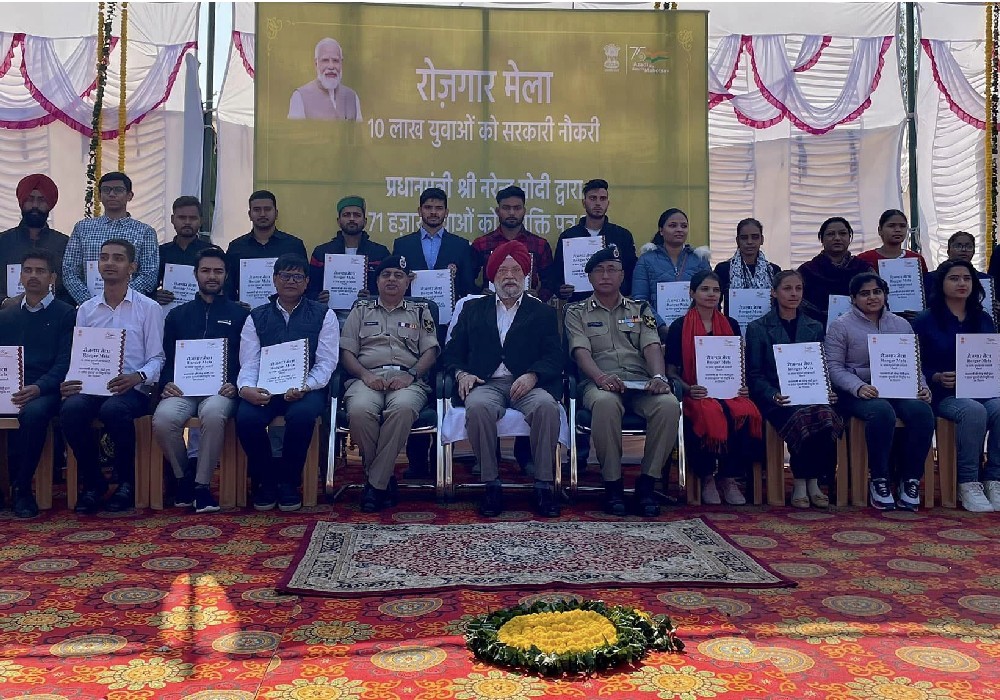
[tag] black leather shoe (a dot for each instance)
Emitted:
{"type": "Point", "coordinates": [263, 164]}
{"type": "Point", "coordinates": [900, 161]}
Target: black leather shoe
{"type": "Point", "coordinates": [646, 504]}
{"type": "Point", "coordinates": [122, 499]}
{"type": "Point", "coordinates": [25, 505]}
{"type": "Point", "coordinates": [614, 498]}
{"type": "Point", "coordinates": [373, 499]}
{"type": "Point", "coordinates": [417, 471]}
{"type": "Point", "coordinates": [545, 503]}
{"type": "Point", "coordinates": [88, 503]}
{"type": "Point", "coordinates": [492, 504]}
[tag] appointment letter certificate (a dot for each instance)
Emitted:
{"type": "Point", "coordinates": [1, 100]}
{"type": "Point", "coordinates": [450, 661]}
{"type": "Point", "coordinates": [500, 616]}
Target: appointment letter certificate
{"type": "Point", "coordinates": [802, 373]}
{"type": "Point", "coordinates": [98, 356]}
{"type": "Point", "coordinates": [95, 284]}
{"type": "Point", "coordinates": [576, 253]}
{"type": "Point", "coordinates": [672, 300]}
{"type": "Point", "coordinates": [719, 364]}
{"type": "Point", "coordinates": [894, 365]}
{"type": "Point", "coordinates": [14, 286]}
{"type": "Point", "coordinates": [840, 304]}
{"type": "Point", "coordinates": [256, 280]}
{"type": "Point", "coordinates": [200, 366]}
{"type": "Point", "coordinates": [439, 287]}
{"type": "Point", "coordinates": [746, 305]}
{"type": "Point", "coordinates": [977, 365]}
{"type": "Point", "coordinates": [906, 285]}
{"type": "Point", "coordinates": [179, 280]}
{"type": "Point", "coordinates": [344, 276]}
{"type": "Point", "coordinates": [11, 377]}
{"type": "Point", "coordinates": [284, 366]}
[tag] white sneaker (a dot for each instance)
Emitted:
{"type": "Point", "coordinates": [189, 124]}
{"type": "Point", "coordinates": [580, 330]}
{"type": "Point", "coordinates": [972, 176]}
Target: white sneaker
{"type": "Point", "coordinates": [992, 489]}
{"type": "Point", "coordinates": [709, 493]}
{"type": "Point", "coordinates": [974, 499]}
{"type": "Point", "coordinates": [731, 492]}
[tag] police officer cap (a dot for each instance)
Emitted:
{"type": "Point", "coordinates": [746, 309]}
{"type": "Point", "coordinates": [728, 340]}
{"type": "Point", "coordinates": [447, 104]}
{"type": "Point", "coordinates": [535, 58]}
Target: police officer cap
{"type": "Point", "coordinates": [603, 255]}
{"type": "Point", "coordinates": [393, 261]}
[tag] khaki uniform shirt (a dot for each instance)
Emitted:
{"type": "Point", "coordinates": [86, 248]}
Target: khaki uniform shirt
{"type": "Point", "coordinates": [615, 337]}
{"type": "Point", "coordinates": [390, 338]}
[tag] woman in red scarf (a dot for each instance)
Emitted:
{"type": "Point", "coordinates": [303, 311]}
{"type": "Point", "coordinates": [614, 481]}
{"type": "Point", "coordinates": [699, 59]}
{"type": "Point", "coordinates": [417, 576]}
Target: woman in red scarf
{"type": "Point", "coordinates": [719, 434]}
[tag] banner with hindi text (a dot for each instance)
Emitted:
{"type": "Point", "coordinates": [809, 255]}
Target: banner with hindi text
{"type": "Point", "coordinates": [472, 100]}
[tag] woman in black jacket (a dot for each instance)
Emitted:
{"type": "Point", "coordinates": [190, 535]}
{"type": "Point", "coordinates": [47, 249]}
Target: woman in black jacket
{"type": "Point", "coordinates": [811, 432]}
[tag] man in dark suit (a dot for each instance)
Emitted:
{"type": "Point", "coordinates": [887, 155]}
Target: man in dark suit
{"type": "Point", "coordinates": [505, 351]}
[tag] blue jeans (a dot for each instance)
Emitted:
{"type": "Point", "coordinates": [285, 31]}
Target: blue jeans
{"type": "Point", "coordinates": [880, 416]}
{"type": "Point", "coordinates": [974, 418]}
{"type": "Point", "coordinates": [300, 421]}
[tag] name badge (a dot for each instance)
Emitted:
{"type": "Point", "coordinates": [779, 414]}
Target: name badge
{"type": "Point", "coordinates": [371, 323]}
{"type": "Point", "coordinates": [595, 324]}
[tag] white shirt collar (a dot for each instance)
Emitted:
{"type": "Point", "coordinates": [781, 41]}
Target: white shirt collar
{"type": "Point", "coordinates": [501, 306]}
{"type": "Point", "coordinates": [43, 304]}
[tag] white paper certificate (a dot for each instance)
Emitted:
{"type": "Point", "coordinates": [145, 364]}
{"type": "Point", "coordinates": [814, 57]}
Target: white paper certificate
{"type": "Point", "coordinates": [672, 300]}
{"type": "Point", "coordinates": [746, 305]}
{"type": "Point", "coordinates": [344, 276]}
{"type": "Point", "coordinates": [719, 364]}
{"type": "Point", "coordinates": [256, 280]}
{"type": "Point", "coordinates": [906, 285]}
{"type": "Point", "coordinates": [11, 377]}
{"type": "Point", "coordinates": [179, 279]}
{"type": "Point", "coordinates": [894, 366]}
{"type": "Point", "coordinates": [840, 304]}
{"type": "Point", "coordinates": [802, 373]}
{"type": "Point", "coordinates": [439, 287]}
{"type": "Point", "coordinates": [200, 366]}
{"type": "Point", "coordinates": [14, 286]}
{"type": "Point", "coordinates": [284, 366]}
{"type": "Point", "coordinates": [95, 285]}
{"type": "Point", "coordinates": [98, 356]}
{"type": "Point", "coordinates": [977, 365]}
{"type": "Point", "coordinates": [576, 253]}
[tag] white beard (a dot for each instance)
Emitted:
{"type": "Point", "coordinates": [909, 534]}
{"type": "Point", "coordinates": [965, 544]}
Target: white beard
{"type": "Point", "coordinates": [329, 84]}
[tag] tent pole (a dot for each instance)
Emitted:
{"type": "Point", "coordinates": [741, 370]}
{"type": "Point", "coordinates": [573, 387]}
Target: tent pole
{"type": "Point", "coordinates": [208, 152]}
{"type": "Point", "coordinates": [911, 122]}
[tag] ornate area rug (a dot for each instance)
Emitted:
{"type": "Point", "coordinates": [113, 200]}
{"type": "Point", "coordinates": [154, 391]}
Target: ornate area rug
{"type": "Point", "coordinates": [361, 559]}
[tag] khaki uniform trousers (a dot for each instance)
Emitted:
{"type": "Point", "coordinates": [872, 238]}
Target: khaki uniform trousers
{"type": "Point", "coordinates": [380, 423]}
{"type": "Point", "coordinates": [661, 411]}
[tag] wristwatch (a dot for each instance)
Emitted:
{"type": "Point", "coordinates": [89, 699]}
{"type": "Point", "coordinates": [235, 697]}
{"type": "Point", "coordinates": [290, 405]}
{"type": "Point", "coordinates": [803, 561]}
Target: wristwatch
{"type": "Point", "coordinates": [661, 377]}
{"type": "Point", "coordinates": [142, 376]}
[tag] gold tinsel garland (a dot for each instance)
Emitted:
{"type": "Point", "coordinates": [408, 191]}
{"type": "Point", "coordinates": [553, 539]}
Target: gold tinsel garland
{"type": "Point", "coordinates": [105, 18]}
{"type": "Point", "coordinates": [122, 90]}
{"type": "Point", "coordinates": [991, 127]}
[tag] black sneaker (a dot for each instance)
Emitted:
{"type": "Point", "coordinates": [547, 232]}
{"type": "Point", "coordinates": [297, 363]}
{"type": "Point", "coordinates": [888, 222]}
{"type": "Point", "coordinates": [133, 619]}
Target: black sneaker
{"type": "Point", "coordinates": [265, 497]}
{"type": "Point", "coordinates": [88, 503]}
{"type": "Point", "coordinates": [25, 505]}
{"type": "Point", "coordinates": [122, 499]}
{"type": "Point", "coordinates": [909, 494]}
{"type": "Point", "coordinates": [288, 498]}
{"type": "Point", "coordinates": [204, 501]}
{"type": "Point", "coordinates": [184, 495]}
{"type": "Point", "coordinates": [879, 495]}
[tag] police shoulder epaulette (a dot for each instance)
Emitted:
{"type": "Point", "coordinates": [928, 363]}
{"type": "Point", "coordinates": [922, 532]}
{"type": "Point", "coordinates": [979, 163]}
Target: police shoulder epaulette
{"type": "Point", "coordinates": [362, 302]}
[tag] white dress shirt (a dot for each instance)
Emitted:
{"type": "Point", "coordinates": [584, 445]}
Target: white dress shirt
{"type": "Point", "coordinates": [142, 320]}
{"type": "Point", "coordinates": [327, 352]}
{"type": "Point", "coordinates": [505, 317]}
{"type": "Point", "coordinates": [42, 304]}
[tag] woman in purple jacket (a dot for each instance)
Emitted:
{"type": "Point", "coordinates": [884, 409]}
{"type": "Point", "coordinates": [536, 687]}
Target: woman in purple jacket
{"type": "Point", "coordinates": [846, 348]}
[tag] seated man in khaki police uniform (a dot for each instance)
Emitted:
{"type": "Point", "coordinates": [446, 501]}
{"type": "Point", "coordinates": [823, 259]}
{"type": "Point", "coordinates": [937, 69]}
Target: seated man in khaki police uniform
{"type": "Point", "coordinates": [614, 342]}
{"type": "Point", "coordinates": [387, 346]}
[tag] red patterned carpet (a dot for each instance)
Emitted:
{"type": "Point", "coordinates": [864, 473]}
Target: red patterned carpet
{"type": "Point", "coordinates": [897, 606]}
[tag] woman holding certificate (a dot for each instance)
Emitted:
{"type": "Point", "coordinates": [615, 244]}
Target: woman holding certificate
{"type": "Point", "coordinates": [723, 433]}
{"type": "Point", "coordinates": [957, 310]}
{"type": "Point", "coordinates": [668, 258]}
{"type": "Point", "coordinates": [810, 430]}
{"type": "Point", "coordinates": [847, 353]}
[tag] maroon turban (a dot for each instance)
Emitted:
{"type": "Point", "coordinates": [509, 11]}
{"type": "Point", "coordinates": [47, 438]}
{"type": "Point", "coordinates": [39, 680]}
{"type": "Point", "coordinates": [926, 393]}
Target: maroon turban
{"type": "Point", "coordinates": [514, 249]}
{"type": "Point", "coordinates": [42, 183]}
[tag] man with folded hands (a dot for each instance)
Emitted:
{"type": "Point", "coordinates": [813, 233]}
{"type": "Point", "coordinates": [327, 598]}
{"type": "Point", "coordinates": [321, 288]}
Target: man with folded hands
{"type": "Point", "coordinates": [614, 342]}
{"type": "Point", "coordinates": [387, 346]}
{"type": "Point", "coordinates": [505, 352]}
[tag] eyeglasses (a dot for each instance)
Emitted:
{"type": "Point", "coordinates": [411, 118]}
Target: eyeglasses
{"type": "Point", "coordinates": [971, 247]}
{"type": "Point", "coordinates": [291, 277]}
{"type": "Point", "coordinates": [118, 189]}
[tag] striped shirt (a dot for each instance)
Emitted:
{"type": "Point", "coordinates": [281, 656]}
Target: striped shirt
{"type": "Point", "coordinates": [85, 245]}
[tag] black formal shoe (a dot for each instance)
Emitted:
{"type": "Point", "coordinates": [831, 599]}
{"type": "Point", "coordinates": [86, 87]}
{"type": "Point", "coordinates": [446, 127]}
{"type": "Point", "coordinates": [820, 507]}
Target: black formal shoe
{"type": "Point", "coordinates": [545, 503]}
{"type": "Point", "coordinates": [288, 498]}
{"type": "Point", "coordinates": [122, 499]}
{"type": "Point", "coordinates": [25, 505]}
{"type": "Point", "coordinates": [492, 504]}
{"type": "Point", "coordinates": [417, 471]}
{"type": "Point", "coordinates": [265, 497]}
{"type": "Point", "coordinates": [373, 499]}
{"type": "Point", "coordinates": [645, 497]}
{"type": "Point", "coordinates": [614, 498]}
{"type": "Point", "coordinates": [88, 503]}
